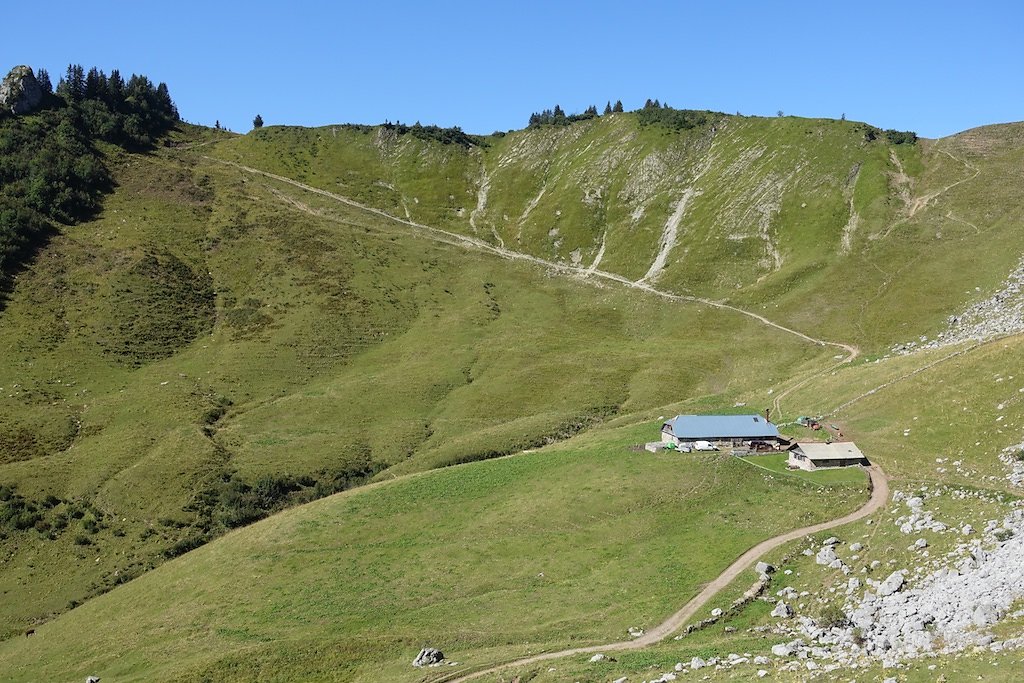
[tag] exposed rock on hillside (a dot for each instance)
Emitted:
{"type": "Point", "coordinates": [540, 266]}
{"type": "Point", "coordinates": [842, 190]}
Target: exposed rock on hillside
{"type": "Point", "coordinates": [943, 605]}
{"type": "Point", "coordinates": [1000, 315]}
{"type": "Point", "coordinates": [428, 656]}
{"type": "Point", "coordinates": [20, 92]}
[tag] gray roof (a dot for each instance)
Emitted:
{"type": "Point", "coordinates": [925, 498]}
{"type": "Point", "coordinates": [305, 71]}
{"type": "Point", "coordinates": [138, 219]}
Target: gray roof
{"type": "Point", "coordinates": [844, 450]}
{"type": "Point", "coordinates": [720, 427]}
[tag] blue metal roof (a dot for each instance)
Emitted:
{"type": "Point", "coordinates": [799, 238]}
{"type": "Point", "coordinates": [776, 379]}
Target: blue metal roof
{"type": "Point", "coordinates": [713, 427]}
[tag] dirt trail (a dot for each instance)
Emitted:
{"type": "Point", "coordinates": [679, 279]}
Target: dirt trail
{"type": "Point", "coordinates": [901, 378]}
{"type": "Point", "coordinates": [880, 486]}
{"type": "Point", "coordinates": [879, 497]}
{"type": "Point", "coordinates": [920, 202]}
{"type": "Point", "coordinates": [915, 204]}
{"type": "Point", "coordinates": [580, 271]}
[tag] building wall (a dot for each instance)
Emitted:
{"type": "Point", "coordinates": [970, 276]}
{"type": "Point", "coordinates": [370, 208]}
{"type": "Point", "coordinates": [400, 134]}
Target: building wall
{"type": "Point", "coordinates": [800, 462]}
{"type": "Point", "coordinates": [849, 462]}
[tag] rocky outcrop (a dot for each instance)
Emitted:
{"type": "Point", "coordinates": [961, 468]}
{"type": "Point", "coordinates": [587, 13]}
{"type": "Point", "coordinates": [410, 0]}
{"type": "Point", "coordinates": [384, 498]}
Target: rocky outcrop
{"type": "Point", "coordinates": [20, 92]}
{"type": "Point", "coordinates": [943, 604]}
{"type": "Point", "coordinates": [428, 656]}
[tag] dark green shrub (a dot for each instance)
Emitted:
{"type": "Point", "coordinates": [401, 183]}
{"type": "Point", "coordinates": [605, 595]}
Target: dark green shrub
{"type": "Point", "coordinates": [832, 616]}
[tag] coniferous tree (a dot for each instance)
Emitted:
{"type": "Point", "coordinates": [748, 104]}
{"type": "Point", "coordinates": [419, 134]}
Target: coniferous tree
{"type": "Point", "coordinates": [618, 107]}
{"type": "Point", "coordinates": [559, 115]}
{"type": "Point", "coordinates": [608, 108]}
{"type": "Point", "coordinates": [115, 90]}
{"type": "Point", "coordinates": [43, 77]}
{"type": "Point", "coordinates": [95, 85]}
{"type": "Point", "coordinates": [72, 86]}
{"type": "Point", "coordinates": [257, 122]}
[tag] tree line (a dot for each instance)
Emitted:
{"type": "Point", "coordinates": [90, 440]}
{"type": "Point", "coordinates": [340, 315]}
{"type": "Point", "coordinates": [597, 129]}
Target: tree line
{"type": "Point", "coordinates": [558, 117]}
{"type": "Point", "coordinates": [894, 137]}
{"type": "Point", "coordinates": [50, 168]}
{"type": "Point", "coordinates": [652, 113]}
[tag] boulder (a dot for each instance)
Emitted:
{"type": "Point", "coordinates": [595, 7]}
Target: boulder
{"type": "Point", "coordinates": [921, 543]}
{"type": "Point", "coordinates": [92, 679]}
{"type": "Point", "coordinates": [598, 658]}
{"type": "Point", "coordinates": [428, 656]}
{"type": "Point", "coordinates": [782, 650]}
{"type": "Point", "coordinates": [697, 663]}
{"type": "Point", "coordinates": [856, 547]}
{"type": "Point", "coordinates": [717, 612]}
{"type": "Point", "coordinates": [831, 540]}
{"type": "Point", "coordinates": [826, 555]}
{"type": "Point", "coordinates": [20, 92]}
{"type": "Point", "coordinates": [763, 568]}
{"type": "Point", "coordinates": [782, 610]}
{"type": "Point", "coordinates": [985, 614]}
{"type": "Point", "coordinates": [891, 584]}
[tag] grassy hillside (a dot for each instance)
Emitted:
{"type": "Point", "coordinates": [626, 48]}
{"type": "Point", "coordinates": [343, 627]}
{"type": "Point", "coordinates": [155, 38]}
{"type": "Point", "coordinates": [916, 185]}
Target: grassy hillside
{"type": "Point", "coordinates": [216, 346]}
{"type": "Point", "coordinates": [927, 412]}
{"type": "Point", "coordinates": [571, 544]}
{"type": "Point", "coordinates": [805, 219]}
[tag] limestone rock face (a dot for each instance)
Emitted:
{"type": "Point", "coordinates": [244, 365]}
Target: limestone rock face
{"type": "Point", "coordinates": [20, 92]}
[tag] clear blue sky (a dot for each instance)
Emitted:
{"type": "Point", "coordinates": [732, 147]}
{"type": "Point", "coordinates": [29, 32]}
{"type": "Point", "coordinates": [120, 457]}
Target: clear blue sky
{"type": "Point", "coordinates": [935, 67]}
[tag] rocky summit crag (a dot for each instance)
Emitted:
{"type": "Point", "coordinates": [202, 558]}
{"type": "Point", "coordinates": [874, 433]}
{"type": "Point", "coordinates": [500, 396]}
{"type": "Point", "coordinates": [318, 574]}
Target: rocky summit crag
{"type": "Point", "coordinates": [20, 92]}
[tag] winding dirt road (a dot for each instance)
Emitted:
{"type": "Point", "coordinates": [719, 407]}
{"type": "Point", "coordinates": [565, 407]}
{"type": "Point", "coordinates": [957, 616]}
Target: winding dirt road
{"type": "Point", "coordinates": [879, 496]}
{"type": "Point", "coordinates": [880, 484]}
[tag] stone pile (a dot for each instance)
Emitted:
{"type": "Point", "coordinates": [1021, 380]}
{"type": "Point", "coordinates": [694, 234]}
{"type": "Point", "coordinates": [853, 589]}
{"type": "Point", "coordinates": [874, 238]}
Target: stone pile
{"type": "Point", "coordinates": [1000, 315]}
{"type": "Point", "coordinates": [716, 663]}
{"type": "Point", "coordinates": [948, 609]}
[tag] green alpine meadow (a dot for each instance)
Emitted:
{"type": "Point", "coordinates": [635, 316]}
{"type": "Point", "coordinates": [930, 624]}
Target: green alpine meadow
{"type": "Point", "coordinates": [314, 403]}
